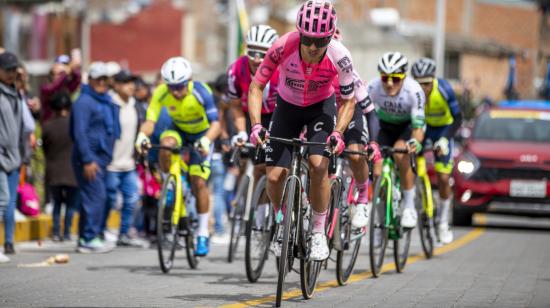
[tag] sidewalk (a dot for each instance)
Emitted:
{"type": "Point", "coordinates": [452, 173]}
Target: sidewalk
{"type": "Point", "coordinates": [39, 228]}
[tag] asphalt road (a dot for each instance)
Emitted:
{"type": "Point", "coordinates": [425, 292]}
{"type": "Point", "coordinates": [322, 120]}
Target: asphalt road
{"type": "Point", "coordinates": [502, 262]}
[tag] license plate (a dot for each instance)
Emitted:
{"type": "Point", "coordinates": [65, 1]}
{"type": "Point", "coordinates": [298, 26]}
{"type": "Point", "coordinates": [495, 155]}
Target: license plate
{"type": "Point", "coordinates": [531, 189]}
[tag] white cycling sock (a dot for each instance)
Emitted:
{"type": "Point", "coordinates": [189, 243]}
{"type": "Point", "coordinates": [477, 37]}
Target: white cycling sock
{"type": "Point", "coordinates": [203, 225]}
{"type": "Point", "coordinates": [444, 207]}
{"type": "Point", "coordinates": [408, 198]}
{"type": "Point", "coordinates": [260, 214]}
{"type": "Point", "coordinates": [318, 220]}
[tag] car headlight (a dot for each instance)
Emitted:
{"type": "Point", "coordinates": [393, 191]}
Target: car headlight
{"type": "Point", "coordinates": [467, 165]}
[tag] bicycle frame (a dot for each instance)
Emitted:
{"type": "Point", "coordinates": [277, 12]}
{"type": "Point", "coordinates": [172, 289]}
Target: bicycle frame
{"type": "Point", "coordinates": [388, 176]}
{"type": "Point", "coordinates": [249, 173]}
{"type": "Point", "coordinates": [427, 200]}
{"type": "Point", "coordinates": [177, 164]}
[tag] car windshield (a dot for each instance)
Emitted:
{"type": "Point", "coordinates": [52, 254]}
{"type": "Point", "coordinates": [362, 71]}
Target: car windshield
{"type": "Point", "coordinates": [513, 127]}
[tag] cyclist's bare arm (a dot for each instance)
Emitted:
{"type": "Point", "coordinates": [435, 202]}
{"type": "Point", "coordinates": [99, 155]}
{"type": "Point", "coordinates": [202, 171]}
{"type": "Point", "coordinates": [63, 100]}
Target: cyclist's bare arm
{"type": "Point", "coordinates": [255, 94]}
{"type": "Point", "coordinates": [223, 108]}
{"type": "Point", "coordinates": [147, 127]}
{"type": "Point", "coordinates": [214, 131]}
{"type": "Point", "coordinates": [238, 115]}
{"type": "Point", "coordinates": [418, 134]}
{"type": "Point", "coordinates": [345, 114]}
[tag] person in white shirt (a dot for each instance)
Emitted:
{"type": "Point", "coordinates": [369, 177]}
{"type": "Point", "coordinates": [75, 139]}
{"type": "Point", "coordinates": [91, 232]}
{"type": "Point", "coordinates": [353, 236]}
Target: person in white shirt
{"type": "Point", "coordinates": [121, 172]}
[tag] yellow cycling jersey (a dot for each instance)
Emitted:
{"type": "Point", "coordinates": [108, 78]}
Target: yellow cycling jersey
{"type": "Point", "coordinates": [190, 114]}
{"type": "Point", "coordinates": [438, 109]}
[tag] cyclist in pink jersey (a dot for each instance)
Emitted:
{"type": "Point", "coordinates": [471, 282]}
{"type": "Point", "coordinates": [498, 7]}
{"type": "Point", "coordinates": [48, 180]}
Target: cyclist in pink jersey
{"type": "Point", "coordinates": [356, 137]}
{"type": "Point", "coordinates": [363, 125]}
{"type": "Point", "coordinates": [258, 40]}
{"type": "Point", "coordinates": [308, 60]}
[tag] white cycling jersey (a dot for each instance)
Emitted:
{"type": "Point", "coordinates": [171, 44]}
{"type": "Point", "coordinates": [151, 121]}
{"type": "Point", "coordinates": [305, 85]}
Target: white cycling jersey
{"type": "Point", "coordinates": [406, 106]}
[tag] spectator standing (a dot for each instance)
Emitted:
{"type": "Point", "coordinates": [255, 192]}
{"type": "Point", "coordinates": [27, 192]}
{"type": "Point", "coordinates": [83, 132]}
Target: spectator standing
{"type": "Point", "coordinates": [222, 146]}
{"type": "Point", "coordinates": [30, 105]}
{"type": "Point", "coordinates": [64, 76]}
{"type": "Point", "coordinates": [121, 172]}
{"type": "Point", "coordinates": [11, 145]}
{"type": "Point", "coordinates": [94, 127]}
{"type": "Point", "coordinates": [57, 147]}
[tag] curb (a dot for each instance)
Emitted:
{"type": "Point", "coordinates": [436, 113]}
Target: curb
{"type": "Point", "coordinates": [39, 228]}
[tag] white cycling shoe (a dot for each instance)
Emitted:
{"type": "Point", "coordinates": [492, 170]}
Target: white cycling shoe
{"type": "Point", "coordinates": [361, 214]}
{"type": "Point", "coordinates": [319, 247]}
{"type": "Point", "coordinates": [277, 244]}
{"type": "Point", "coordinates": [409, 218]}
{"type": "Point", "coordinates": [445, 233]}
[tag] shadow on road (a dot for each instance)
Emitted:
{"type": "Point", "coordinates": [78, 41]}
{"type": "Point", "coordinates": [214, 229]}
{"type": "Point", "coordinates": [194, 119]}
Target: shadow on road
{"type": "Point", "coordinates": [186, 273]}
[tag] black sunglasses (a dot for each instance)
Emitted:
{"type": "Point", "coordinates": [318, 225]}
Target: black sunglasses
{"type": "Point", "coordinates": [253, 53]}
{"type": "Point", "coordinates": [179, 86]}
{"type": "Point", "coordinates": [320, 42]}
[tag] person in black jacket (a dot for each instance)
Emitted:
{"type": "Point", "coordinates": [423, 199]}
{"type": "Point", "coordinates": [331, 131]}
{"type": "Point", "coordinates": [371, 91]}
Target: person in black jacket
{"type": "Point", "coordinates": [57, 145]}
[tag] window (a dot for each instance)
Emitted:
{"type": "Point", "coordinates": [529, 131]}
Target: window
{"type": "Point", "coordinates": [452, 65]}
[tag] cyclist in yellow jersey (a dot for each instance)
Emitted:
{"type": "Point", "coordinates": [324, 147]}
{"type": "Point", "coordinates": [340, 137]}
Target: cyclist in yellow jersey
{"type": "Point", "coordinates": [194, 120]}
{"type": "Point", "coordinates": [443, 119]}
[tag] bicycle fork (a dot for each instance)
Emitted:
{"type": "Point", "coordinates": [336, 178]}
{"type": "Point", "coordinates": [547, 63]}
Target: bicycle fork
{"type": "Point", "coordinates": [179, 207]}
{"type": "Point", "coordinates": [249, 172]}
{"type": "Point", "coordinates": [427, 201]}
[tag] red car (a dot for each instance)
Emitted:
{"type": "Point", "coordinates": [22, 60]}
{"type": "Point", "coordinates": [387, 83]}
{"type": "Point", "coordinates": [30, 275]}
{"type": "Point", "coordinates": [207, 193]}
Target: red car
{"type": "Point", "coordinates": [505, 165]}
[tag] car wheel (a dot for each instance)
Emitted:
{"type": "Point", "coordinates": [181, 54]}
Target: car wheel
{"type": "Point", "coordinates": [461, 217]}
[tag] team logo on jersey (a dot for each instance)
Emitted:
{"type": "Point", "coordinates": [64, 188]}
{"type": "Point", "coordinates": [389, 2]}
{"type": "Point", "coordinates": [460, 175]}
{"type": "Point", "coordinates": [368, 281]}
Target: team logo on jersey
{"type": "Point", "coordinates": [276, 55]}
{"type": "Point", "coordinates": [347, 90]}
{"type": "Point", "coordinates": [345, 64]}
{"type": "Point", "coordinates": [294, 83]}
{"type": "Point", "coordinates": [318, 126]}
{"type": "Point", "coordinates": [419, 99]}
{"type": "Point", "coordinates": [365, 103]}
{"type": "Point", "coordinates": [266, 71]}
{"type": "Point", "coordinates": [394, 107]}
{"type": "Point", "coordinates": [314, 85]}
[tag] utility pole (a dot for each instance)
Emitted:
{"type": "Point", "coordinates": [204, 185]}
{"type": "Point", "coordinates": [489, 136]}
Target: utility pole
{"type": "Point", "coordinates": [439, 38]}
{"type": "Point", "coordinates": [232, 38]}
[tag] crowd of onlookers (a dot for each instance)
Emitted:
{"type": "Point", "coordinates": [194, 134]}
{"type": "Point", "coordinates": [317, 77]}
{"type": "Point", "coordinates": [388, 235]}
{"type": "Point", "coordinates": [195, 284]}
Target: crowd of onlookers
{"type": "Point", "coordinates": [87, 131]}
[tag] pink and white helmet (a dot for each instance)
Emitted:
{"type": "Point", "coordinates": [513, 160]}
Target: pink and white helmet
{"type": "Point", "coordinates": [316, 18]}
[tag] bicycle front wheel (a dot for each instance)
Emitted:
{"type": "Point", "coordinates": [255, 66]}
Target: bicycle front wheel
{"type": "Point", "coordinates": [190, 243]}
{"type": "Point", "coordinates": [351, 239]}
{"type": "Point", "coordinates": [425, 223]}
{"type": "Point", "coordinates": [237, 217]}
{"type": "Point", "coordinates": [259, 229]}
{"type": "Point", "coordinates": [401, 250]}
{"type": "Point", "coordinates": [378, 232]}
{"type": "Point", "coordinates": [291, 197]}
{"type": "Point", "coordinates": [167, 235]}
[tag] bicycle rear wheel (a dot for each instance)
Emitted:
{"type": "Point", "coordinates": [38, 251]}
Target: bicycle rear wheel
{"type": "Point", "coordinates": [167, 235]}
{"type": "Point", "coordinates": [290, 198]}
{"type": "Point", "coordinates": [237, 217]}
{"type": "Point", "coordinates": [378, 233]}
{"type": "Point", "coordinates": [425, 223]}
{"type": "Point", "coordinates": [259, 230]}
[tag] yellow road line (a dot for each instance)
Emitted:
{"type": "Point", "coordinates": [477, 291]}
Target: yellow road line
{"type": "Point", "coordinates": [390, 266]}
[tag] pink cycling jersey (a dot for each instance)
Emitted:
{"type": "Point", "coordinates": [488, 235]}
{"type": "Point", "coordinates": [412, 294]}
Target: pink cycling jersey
{"type": "Point", "coordinates": [239, 79]}
{"type": "Point", "coordinates": [361, 93]}
{"type": "Point", "coordinates": [303, 84]}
